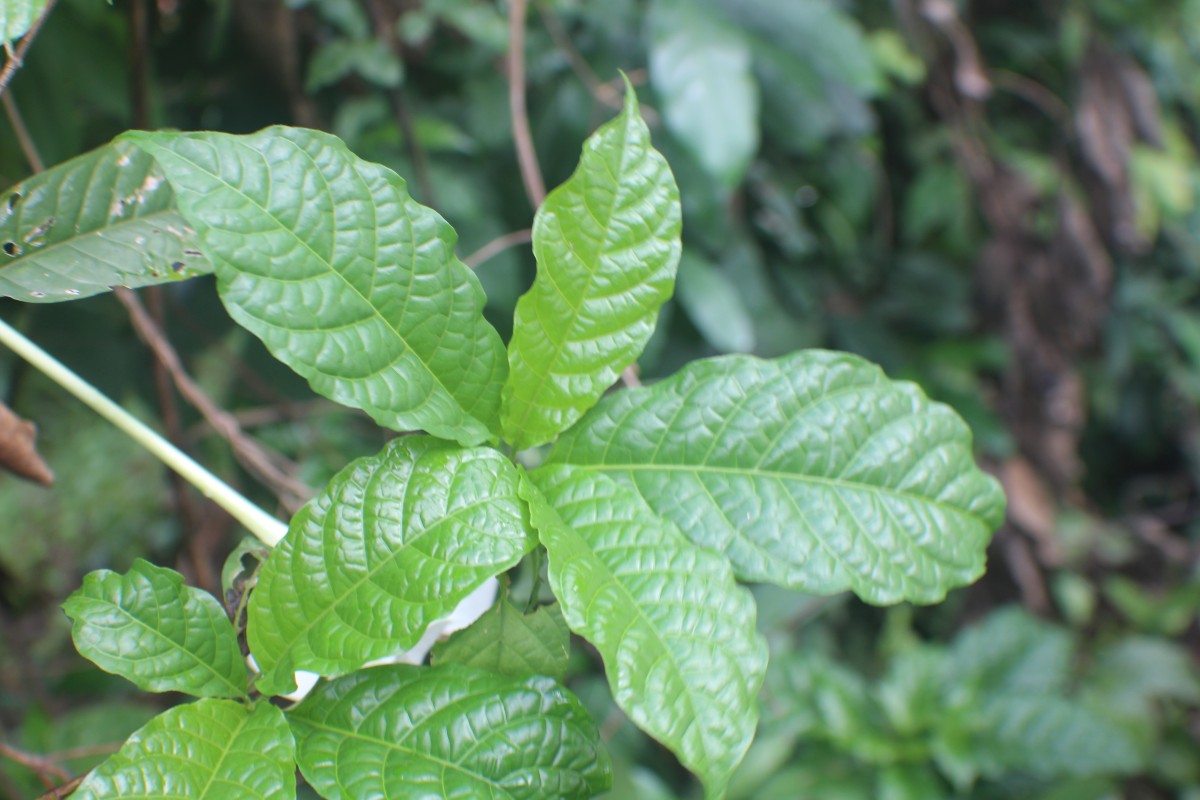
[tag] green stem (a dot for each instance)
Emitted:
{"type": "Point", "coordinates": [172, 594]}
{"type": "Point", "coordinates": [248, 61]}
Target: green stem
{"type": "Point", "coordinates": [536, 557]}
{"type": "Point", "coordinates": [258, 522]}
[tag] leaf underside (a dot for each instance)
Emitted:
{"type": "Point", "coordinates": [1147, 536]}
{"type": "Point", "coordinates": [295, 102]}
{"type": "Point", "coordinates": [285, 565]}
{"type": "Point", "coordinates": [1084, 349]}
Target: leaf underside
{"type": "Point", "coordinates": [17, 16]}
{"type": "Point", "coordinates": [150, 628]}
{"type": "Point", "coordinates": [104, 219]}
{"type": "Point", "coordinates": [207, 750]}
{"type": "Point", "coordinates": [344, 277]}
{"type": "Point", "coordinates": [393, 543]}
{"type": "Point", "coordinates": [813, 471]}
{"type": "Point", "coordinates": [676, 632]}
{"type": "Point", "coordinates": [407, 732]}
{"type": "Point", "coordinates": [607, 248]}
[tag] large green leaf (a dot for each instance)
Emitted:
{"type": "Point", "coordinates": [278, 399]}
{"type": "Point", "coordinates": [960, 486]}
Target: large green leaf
{"type": "Point", "coordinates": [207, 750]}
{"type": "Point", "coordinates": [813, 471]}
{"type": "Point", "coordinates": [607, 247]}
{"type": "Point", "coordinates": [149, 627]}
{"type": "Point", "coordinates": [676, 632]}
{"type": "Point", "coordinates": [393, 543]}
{"type": "Point", "coordinates": [700, 66]}
{"type": "Point", "coordinates": [447, 732]}
{"type": "Point", "coordinates": [104, 219]}
{"type": "Point", "coordinates": [507, 642]}
{"type": "Point", "coordinates": [17, 16]}
{"type": "Point", "coordinates": [344, 277]}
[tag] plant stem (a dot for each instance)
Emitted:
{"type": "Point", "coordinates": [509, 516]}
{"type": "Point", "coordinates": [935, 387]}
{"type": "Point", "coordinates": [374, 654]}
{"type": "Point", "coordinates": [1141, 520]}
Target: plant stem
{"type": "Point", "coordinates": [536, 558]}
{"type": "Point", "coordinates": [268, 529]}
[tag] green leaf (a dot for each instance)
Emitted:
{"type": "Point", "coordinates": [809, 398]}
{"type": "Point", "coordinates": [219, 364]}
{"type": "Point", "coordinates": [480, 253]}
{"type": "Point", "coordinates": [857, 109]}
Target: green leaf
{"type": "Point", "coordinates": [104, 219]}
{"type": "Point", "coordinates": [371, 58]}
{"type": "Point", "coordinates": [393, 543]}
{"type": "Point", "coordinates": [1050, 736]}
{"type": "Point", "coordinates": [207, 750]}
{"type": "Point", "coordinates": [507, 642]}
{"type": "Point", "coordinates": [813, 471]}
{"type": "Point", "coordinates": [451, 731]}
{"type": "Point", "coordinates": [150, 628]}
{"type": "Point", "coordinates": [714, 304]}
{"type": "Point", "coordinates": [700, 65]}
{"type": "Point", "coordinates": [344, 277]}
{"type": "Point", "coordinates": [1013, 651]}
{"type": "Point", "coordinates": [676, 632]}
{"type": "Point", "coordinates": [17, 16]}
{"type": "Point", "coordinates": [607, 247]}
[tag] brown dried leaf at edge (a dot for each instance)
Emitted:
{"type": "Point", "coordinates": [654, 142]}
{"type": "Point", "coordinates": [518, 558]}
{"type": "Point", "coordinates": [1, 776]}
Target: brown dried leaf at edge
{"type": "Point", "coordinates": [18, 448]}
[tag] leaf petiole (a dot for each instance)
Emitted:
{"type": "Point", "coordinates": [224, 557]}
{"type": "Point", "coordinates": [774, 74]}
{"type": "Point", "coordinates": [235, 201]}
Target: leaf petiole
{"type": "Point", "coordinates": [265, 527]}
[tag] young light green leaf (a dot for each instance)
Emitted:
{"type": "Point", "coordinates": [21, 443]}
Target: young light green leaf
{"type": "Point", "coordinates": [607, 247]}
{"type": "Point", "coordinates": [17, 17]}
{"type": "Point", "coordinates": [150, 628]}
{"type": "Point", "coordinates": [104, 219]}
{"type": "Point", "coordinates": [700, 65]}
{"type": "Point", "coordinates": [393, 543]}
{"type": "Point", "coordinates": [507, 642]}
{"type": "Point", "coordinates": [813, 471]}
{"type": "Point", "coordinates": [676, 632]}
{"type": "Point", "coordinates": [344, 277]}
{"type": "Point", "coordinates": [448, 731]}
{"type": "Point", "coordinates": [207, 750]}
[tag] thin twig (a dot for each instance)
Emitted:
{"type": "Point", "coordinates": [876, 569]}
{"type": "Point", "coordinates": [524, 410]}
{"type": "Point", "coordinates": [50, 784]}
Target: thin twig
{"type": "Point", "coordinates": [43, 766]}
{"type": "Point", "coordinates": [60, 792]}
{"type": "Point", "coordinates": [28, 148]}
{"type": "Point", "coordinates": [17, 57]}
{"type": "Point", "coordinates": [531, 174]}
{"type": "Point", "coordinates": [607, 93]}
{"type": "Point", "coordinates": [385, 28]}
{"type": "Point", "coordinates": [290, 492]}
{"type": "Point", "coordinates": [497, 246]}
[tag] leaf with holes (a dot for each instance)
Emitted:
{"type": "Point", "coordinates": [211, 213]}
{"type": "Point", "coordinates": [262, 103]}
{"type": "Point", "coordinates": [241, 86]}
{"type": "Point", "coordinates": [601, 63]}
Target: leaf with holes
{"type": "Point", "coordinates": [393, 543]}
{"type": "Point", "coordinates": [507, 642]}
{"type": "Point", "coordinates": [676, 632]}
{"type": "Point", "coordinates": [607, 247]}
{"type": "Point", "coordinates": [207, 750]}
{"type": "Point", "coordinates": [344, 277]}
{"type": "Point", "coordinates": [448, 731]}
{"type": "Point", "coordinates": [104, 219]}
{"type": "Point", "coordinates": [150, 628]}
{"type": "Point", "coordinates": [813, 471]}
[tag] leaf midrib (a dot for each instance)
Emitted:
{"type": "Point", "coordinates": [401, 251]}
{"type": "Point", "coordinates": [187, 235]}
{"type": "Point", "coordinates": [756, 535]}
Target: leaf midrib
{"type": "Point", "coordinates": [225, 751]}
{"type": "Point", "coordinates": [344, 733]}
{"type": "Point", "coordinates": [331, 607]}
{"type": "Point", "coordinates": [320, 259]}
{"type": "Point", "coordinates": [30, 258]}
{"type": "Point", "coordinates": [782, 477]}
{"type": "Point", "coordinates": [570, 327]}
{"type": "Point", "coordinates": [640, 614]}
{"type": "Point", "coordinates": [237, 692]}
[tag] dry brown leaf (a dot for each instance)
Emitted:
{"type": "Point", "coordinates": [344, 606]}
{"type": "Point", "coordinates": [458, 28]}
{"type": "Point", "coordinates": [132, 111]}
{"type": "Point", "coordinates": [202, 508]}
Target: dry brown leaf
{"type": "Point", "coordinates": [18, 448]}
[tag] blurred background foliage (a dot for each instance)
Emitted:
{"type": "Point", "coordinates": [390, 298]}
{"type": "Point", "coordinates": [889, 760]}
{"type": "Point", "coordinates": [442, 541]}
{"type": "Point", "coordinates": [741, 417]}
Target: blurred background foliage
{"type": "Point", "coordinates": [994, 199]}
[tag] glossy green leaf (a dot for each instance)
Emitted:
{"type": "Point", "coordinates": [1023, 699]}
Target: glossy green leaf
{"type": "Point", "coordinates": [607, 247]}
{"type": "Point", "coordinates": [676, 632]}
{"type": "Point", "coordinates": [813, 471]}
{"type": "Point", "coordinates": [207, 750]}
{"type": "Point", "coordinates": [150, 628]}
{"type": "Point", "coordinates": [17, 16]}
{"type": "Point", "coordinates": [700, 66]}
{"type": "Point", "coordinates": [104, 219]}
{"type": "Point", "coordinates": [344, 277]}
{"type": "Point", "coordinates": [393, 543]}
{"type": "Point", "coordinates": [408, 732]}
{"type": "Point", "coordinates": [508, 642]}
